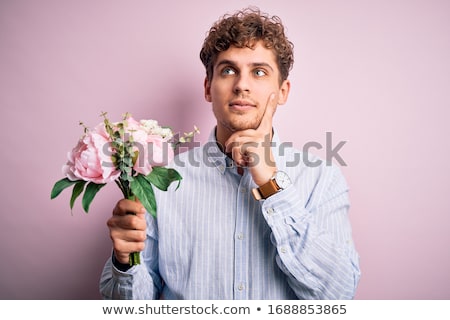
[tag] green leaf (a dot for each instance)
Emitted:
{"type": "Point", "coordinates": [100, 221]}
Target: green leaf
{"type": "Point", "coordinates": [142, 188]}
{"type": "Point", "coordinates": [89, 194]}
{"type": "Point", "coordinates": [77, 190]}
{"type": "Point", "coordinates": [162, 177]}
{"type": "Point", "coordinates": [60, 186]}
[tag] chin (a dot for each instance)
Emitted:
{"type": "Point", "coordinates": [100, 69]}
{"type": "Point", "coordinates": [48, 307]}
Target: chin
{"type": "Point", "coordinates": [242, 126]}
{"type": "Point", "coordinates": [238, 122]}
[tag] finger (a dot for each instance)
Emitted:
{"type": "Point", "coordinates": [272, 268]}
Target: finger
{"type": "Point", "coordinates": [234, 146]}
{"type": "Point", "coordinates": [236, 154]}
{"type": "Point", "coordinates": [127, 223]}
{"type": "Point", "coordinates": [122, 249]}
{"type": "Point", "coordinates": [238, 138]}
{"type": "Point", "coordinates": [126, 206]}
{"type": "Point", "coordinates": [266, 122]}
{"type": "Point", "coordinates": [121, 236]}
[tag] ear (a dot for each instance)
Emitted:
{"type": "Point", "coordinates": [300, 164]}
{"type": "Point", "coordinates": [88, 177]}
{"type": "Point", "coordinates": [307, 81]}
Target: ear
{"type": "Point", "coordinates": [283, 92]}
{"type": "Point", "coordinates": [207, 87]}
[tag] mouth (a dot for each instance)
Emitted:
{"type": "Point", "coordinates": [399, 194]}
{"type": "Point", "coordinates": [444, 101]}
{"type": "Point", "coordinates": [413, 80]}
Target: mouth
{"type": "Point", "coordinates": [241, 105]}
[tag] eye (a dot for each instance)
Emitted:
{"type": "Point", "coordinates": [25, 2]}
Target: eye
{"type": "Point", "coordinates": [228, 71]}
{"type": "Point", "coordinates": [260, 72]}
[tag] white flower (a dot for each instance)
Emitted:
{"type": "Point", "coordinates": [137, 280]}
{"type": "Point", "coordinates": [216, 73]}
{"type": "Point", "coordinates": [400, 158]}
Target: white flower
{"type": "Point", "coordinates": [149, 125]}
{"type": "Point", "coordinates": [166, 133]}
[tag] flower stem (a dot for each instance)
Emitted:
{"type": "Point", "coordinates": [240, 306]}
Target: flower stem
{"type": "Point", "coordinates": [124, 186]}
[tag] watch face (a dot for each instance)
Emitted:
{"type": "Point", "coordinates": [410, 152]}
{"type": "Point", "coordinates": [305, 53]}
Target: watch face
{"type": "Point", "coordinates": [282, 179]}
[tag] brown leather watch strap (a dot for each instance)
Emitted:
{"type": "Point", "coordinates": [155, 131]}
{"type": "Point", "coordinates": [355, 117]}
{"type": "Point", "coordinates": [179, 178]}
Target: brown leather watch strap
{"type": "Point", "coordinates": [266, 190]}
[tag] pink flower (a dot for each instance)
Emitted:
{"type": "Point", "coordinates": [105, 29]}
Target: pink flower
{"type": "Point", "coordinates": [91, 160]}
{"type": "Point", "coordinates": [153, 150]}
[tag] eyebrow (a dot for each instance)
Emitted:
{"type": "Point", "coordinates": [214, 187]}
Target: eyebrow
{"type": "Point", "coordinates": [253, 64]}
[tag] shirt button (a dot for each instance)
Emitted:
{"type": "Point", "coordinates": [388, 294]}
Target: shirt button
{"type": "Point", "coordinates": [241, 287]}
{"type": "Point", "coordinates": [270, 211]}
{"type": "Point", "coordinates": [283, 250]}
{"type": "Point", "coordinates": [240, 236]}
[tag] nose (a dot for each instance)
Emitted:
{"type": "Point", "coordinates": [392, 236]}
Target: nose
{"type": "Point", "coordinates": [242, 84]}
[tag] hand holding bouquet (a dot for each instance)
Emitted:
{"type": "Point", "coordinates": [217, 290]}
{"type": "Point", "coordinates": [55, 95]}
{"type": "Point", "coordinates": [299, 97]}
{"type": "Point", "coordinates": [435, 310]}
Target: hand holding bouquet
{"type": "Point", "coordinates": [131, 153]}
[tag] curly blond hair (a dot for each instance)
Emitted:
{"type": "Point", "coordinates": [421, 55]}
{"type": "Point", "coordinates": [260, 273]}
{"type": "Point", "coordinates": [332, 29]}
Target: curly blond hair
{"type": "Point", "coordinates": [244, 29]}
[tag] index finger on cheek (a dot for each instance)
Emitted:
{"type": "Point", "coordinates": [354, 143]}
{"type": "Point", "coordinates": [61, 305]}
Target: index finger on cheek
{"type": "Point", "coordinates": [266, 121]}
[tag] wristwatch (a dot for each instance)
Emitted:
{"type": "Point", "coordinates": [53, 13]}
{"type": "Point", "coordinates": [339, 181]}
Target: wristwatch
{"type": "Point", "coordinates": [279, 181]}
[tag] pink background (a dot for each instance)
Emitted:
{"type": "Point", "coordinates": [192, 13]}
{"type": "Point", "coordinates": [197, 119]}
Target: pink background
{"type": "Point", "coordinates": [375, 73]}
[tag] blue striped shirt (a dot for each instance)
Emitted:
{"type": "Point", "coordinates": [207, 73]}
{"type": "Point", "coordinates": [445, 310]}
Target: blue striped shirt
{"type": "Point", "coordinates": [213, 240]}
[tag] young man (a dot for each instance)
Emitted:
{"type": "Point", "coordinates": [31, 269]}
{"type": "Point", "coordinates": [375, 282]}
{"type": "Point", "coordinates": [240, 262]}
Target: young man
{"type": "Point", "coordinates": [249, 221]}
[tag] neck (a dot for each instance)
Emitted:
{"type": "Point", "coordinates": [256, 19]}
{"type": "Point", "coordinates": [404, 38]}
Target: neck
{"type": "Point", "coordinates": [222, 135]}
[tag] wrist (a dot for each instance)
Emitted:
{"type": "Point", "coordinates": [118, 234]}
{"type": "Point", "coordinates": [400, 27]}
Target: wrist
{"type": "Point", "coordinates": [279, 181]}
{"type": "Point", "coordinates": [265, 176]}
{"type": "Point", "coordinates": [264, 168]}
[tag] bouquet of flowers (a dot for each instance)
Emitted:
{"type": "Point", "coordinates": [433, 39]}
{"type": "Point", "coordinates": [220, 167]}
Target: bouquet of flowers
{"type": "Point", "coordinates": [131, 153]}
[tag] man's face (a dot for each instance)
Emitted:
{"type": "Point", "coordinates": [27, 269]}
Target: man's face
{"type": "Point", "coordinates": [243, 80]}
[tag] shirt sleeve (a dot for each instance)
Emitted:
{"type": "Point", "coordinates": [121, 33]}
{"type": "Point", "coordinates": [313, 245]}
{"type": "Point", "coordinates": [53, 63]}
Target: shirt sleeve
{"type": "Point", "coordinates": [312, 234]}
{"type": "Point", "coordinates": [141, 282]}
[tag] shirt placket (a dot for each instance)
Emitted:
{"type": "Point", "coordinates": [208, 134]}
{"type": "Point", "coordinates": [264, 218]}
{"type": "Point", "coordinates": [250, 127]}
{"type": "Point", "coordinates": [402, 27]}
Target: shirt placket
{"type": "Point", "coordinates": [241, 244]}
